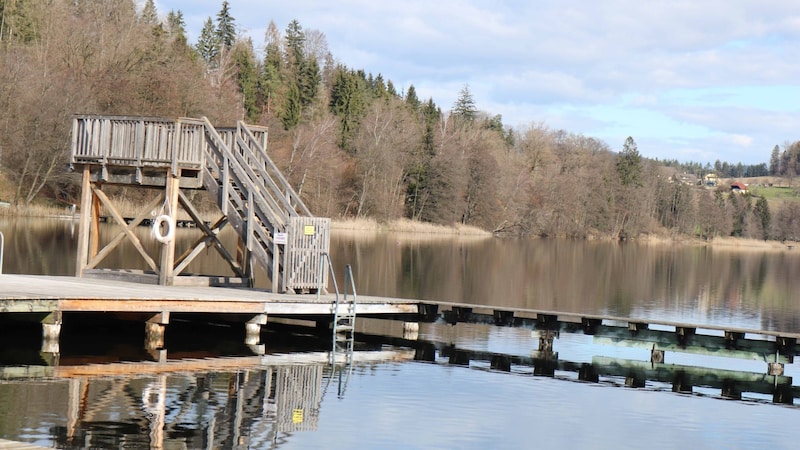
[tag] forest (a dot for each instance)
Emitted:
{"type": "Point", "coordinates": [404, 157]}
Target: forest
{"type": "Point", "coordinates": [350, 142]}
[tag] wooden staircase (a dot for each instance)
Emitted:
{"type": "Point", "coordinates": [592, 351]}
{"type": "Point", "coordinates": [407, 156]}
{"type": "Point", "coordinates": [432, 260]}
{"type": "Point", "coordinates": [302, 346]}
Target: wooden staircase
{"type": "Point", "coordinates": [276, 229]}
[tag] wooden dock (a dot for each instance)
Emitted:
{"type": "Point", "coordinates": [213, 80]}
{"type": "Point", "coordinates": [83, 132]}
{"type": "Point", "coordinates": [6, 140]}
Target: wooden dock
{"type": "Point", "coordinates": [47, 299]}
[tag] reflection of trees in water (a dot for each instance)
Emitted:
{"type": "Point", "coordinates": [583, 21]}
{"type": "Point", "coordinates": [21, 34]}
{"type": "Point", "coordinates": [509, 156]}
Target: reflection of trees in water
{"type": "Point", "coordinates": [578, 276]}
{"type": "Point", "coordinates": [564, 275]}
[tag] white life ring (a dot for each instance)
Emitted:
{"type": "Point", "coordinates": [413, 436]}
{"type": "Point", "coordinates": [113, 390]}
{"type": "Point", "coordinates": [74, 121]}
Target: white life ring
{"type": "Point", "coordinates": [170, 222]}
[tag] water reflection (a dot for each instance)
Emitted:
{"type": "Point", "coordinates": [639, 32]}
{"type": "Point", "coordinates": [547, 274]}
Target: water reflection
{"type": "Point", "coordinates": [683, 283]}
{"type": "Point", "coordinates": [184, 397]}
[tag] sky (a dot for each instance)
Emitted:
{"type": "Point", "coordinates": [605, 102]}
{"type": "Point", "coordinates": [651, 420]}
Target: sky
{"type": "Point", "coordinates": [692, 80]}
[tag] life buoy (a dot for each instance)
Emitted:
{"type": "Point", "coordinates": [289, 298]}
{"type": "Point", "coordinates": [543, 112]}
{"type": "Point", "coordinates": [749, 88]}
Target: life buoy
{"type": "Point", "coordinates": [170, 232]}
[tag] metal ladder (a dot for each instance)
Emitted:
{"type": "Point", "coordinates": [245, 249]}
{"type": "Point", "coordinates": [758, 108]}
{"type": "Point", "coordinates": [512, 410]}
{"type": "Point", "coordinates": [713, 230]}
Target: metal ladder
{"type": "Point", "coordinates": [344, 322]}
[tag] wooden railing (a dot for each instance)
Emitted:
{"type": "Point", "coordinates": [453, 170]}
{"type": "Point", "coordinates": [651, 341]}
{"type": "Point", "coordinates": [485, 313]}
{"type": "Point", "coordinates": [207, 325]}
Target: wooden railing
{"type": "Point", "coordinates": [137, 142]}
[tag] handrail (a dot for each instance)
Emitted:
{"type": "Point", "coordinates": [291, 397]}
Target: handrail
{"type": "Point", "coordinates": [2, 246]}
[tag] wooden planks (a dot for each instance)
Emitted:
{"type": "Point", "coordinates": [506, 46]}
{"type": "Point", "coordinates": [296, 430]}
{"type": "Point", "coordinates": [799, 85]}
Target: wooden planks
{"type": "Point", "coordinates": [31, 293]}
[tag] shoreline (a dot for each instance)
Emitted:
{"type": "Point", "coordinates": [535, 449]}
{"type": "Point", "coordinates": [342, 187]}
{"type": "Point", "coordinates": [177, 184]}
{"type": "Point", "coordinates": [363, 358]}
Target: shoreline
{"type": "Point", "coordinates": [420, 230]}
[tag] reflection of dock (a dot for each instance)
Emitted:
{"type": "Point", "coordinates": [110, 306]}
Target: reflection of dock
{"type": "Point", "coordinates": [228, 402]}
{"type": "Point", "coordinates": [49, 299]}
{"type": "Point", "coordinates": [655, 373]}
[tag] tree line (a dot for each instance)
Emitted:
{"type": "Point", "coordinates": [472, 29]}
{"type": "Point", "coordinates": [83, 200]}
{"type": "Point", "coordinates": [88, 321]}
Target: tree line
{"type": "Point", "coordinates": [352, 143]}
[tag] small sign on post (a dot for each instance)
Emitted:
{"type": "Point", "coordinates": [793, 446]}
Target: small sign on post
{"type": "Point", "coordinates": [309, 230]}
{"type": "Point", "coordinates": [280, 238]}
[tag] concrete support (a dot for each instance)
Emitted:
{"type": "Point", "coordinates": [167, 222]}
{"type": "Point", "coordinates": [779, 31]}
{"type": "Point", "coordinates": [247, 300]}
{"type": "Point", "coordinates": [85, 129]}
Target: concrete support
{"type": "Point", "coordinates": [253, 329]}
{"type": "Point", "coordinates": [501, 363]}
{"type": "Point", "coordinates": [684, 334]}
{"type": "Point", "coordinates": [635, 327]}
{"type": "Point", "coordinates": [51, 331]}
{"type": "Point", "coordinates": [775, 369]}
{"type": "Point", "coordinates": [503, 318]}
{"type": "Point", "coordinates": [656, 356]}
{"type": "Point", "coordinates": [154, 330]}
{"type": "Point", "coordinates": [546, 338]}
{"type": "Point", "coordinates": [411, 331]}
{"type": "Point", "coordinates": [590, 326]}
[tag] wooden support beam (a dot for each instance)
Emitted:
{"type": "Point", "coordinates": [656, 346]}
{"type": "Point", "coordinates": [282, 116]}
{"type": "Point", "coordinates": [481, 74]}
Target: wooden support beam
{"type": "Point", "coordinates": [166, 271]}
{"type": "Point", "coordinates": [84, 223]}
{"type": "Point", "coordinates": [98, 257]}
{"type": "Point", "coordinates": [210, 239]}
{"type": "Point", "coordinates": [121, 221]}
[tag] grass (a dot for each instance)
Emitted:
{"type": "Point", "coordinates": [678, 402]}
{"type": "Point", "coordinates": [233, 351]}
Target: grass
{"type": "Point", "coordinates": [775, 193]}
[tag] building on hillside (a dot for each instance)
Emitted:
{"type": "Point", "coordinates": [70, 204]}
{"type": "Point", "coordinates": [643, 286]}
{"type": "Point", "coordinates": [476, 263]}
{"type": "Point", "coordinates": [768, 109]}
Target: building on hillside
{"type": "Point", "coordinates": [711, 180]}
{"type": "Point", "coordinates": [738, 187]}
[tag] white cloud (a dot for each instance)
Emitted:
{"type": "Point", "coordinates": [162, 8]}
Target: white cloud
{"type": "Point", "coordinates": [678, 74]}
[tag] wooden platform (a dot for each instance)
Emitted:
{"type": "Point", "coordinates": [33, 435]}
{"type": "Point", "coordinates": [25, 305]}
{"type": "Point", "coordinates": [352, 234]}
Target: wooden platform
{"type": "Point", "coordinates": [47, 294]}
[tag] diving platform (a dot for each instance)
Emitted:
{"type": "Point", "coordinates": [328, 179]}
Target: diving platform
{"type": "Point", "coordinates": [173, 158]}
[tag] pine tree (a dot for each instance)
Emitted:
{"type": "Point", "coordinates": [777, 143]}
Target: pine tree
{"type": "Point", "coordinates": [295, 43]}
{"type": "Point", "coordinates": [208, 44]}
{"type": "Point", "coordinates": [411, 98]}
{"type": "Point", "coordinates": [247, 78]}
{"type": "Point", "coordinates": [775, 162]}
{"type": "Point", "coordinates": [149, 14]}
{"type": "Point", "coordinates": [761, 212]}
{"type": "Point", "coordinates": [629, 164]}
{"type": "Point", "coordinates": [226, 28]}
{"type": "Point", "coordinates": [308, 80]}
{"type": "Point", "coordinates": [464, 109]}
{"type": "Point", "coordinates": [176, 25]}
{"type": "Point", "coordinates": [348, 103]}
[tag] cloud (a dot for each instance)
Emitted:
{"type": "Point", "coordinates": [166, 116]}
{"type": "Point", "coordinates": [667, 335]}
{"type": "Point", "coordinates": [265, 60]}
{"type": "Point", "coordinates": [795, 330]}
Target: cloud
{"type": "Point", "coordinates": [693, 77]}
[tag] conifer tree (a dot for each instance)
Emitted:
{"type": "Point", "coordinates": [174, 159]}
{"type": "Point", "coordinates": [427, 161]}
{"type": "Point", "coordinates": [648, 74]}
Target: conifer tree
{"type": "Point", "coordinates": [149, 14]}
{"type": "Point", "coordinates": [226, 28]}
{"type": "Point", "coordinates": [464, 109]}
{"type": "Point", "coordinates": [629, 164]}
{"type": "Point", "coordinates": [208, 44]}
{"type": "Point", "coordinates": [411, 98]}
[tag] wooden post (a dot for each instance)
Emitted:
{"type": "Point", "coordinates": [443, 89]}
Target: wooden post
{"type": "Point", "coordinates": [166, 270]}
{"type": "Point", "coordinates": [85, 222]}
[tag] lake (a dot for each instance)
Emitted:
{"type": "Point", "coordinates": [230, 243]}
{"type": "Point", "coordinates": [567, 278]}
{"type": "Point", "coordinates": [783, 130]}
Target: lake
{"type": "Point", "coordinates": [462, 386]}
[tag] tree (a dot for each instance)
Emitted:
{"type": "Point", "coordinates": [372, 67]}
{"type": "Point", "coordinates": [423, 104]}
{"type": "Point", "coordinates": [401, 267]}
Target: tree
{"type": "Point", "coordinates": [348, 102]}
{"type": "Point", "coordinates": [226, 28]}
{"type": "Point", "coordinates": [208, 43]}
{"type": "Point", "coordinates": [149, 14]}
{"type": "Point", "coordinates": [629, 164]}
{"type": "Point", "coordinates": [761, 212]}
{"type": "Point", "coordinates": [464, 109]}
{"type": "Point", "coordinates": [176, 26]}
{"type": "Point", "coordinates": [411, 98]}
{"type": "Point", "coordinates": [775, 162]}
{"type": "Point", "coordinates": [295, 43]}
{"type": "Point", "coordinates": [247, 79]}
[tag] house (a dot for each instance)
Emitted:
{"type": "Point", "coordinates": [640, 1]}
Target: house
{"type": "Point", "coordinates": [738, 187]}
{"type": "Point", "coordinates": [711, 180]}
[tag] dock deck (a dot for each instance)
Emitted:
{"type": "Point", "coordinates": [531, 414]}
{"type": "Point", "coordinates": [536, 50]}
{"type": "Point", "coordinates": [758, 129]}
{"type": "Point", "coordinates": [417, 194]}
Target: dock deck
{"type": "Point", "coordinates": [49, 294]}
{"type": "Point", "coordinates": [52, 299]}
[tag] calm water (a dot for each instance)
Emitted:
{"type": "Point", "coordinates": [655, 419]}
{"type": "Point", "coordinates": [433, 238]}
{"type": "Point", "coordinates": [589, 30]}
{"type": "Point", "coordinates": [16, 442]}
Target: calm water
{"type": "Point", "coordinates": [441, 390]}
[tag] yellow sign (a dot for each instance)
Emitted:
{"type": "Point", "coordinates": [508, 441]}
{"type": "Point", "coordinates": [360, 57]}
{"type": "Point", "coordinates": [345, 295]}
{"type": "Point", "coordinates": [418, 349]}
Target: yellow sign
{"type": "Point", "coordinates": [308, 230]}
{"type": "Point", "coordinates": [297, 416]}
